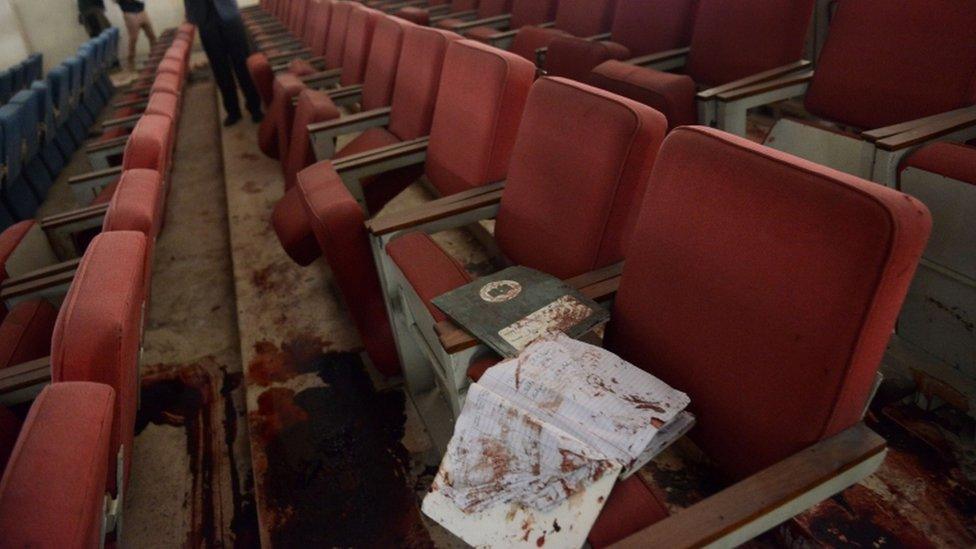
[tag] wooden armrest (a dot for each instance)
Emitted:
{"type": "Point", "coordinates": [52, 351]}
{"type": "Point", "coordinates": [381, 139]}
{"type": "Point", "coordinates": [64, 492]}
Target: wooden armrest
{"type": "Point", "coordinates": [44, 272]}
{"type": "Point", "coordinates": [888, 131]}
{"type": "Point", "coordinates": [98, 174]}
{"type": "Point", "coordinates": [547, 25]}
{"type": "Point", "coordinates": [107, 144]}
{"type": "Point", "coordinates": [122, 121]}
{"type": "Point", "coordinates": [763, 87]}
{"type": "Point", "coordinates": [289, 55]}
{"type": "Point", "coordinates": [502, 37]}
{"type": "Point", "coordinates": [599, 37]}
{"type": "Point", "coordinates": [467, 14]}
{"type": "Point", "coordinates": [318, 63]}
{"type": "Point", "coordinates": [436, 210]}
{"type": "Point", "coordinates": [654, 58]}
{"type": "Point", "coordinates": [944, 125]}
{"type": "Point", "coordinates": [322, 78]}
{"type": "Point", "coordinates": [770, 496]}
{"type": "Point", "coordinates": [347, 95]}
{"type": "Point", "coordinates": [24, 375]}
{"type": "Point", "coordinates": [354, 168]}
{"type": "Point", "coordinates": [437, 10]}
{"type": "Point", "coordinates": [36, 286]}
{"type": "Point", "coordinates": [356, 122]}
{"type": "Point", "coordinates": [757, 78]}
{"type": "Point", "coordinates": [597, 285]}
{"type": "Point", "coordinates": [88, 212]}
{"type": "Point", "coordinates": [397, 6]}
{"type": "Point", "coordinates": [494, 22]}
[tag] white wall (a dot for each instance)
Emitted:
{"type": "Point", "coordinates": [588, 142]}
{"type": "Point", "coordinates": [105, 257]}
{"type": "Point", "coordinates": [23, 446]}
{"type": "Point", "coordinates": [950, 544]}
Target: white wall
{"type": "Point", "coordinates": [12, 45]}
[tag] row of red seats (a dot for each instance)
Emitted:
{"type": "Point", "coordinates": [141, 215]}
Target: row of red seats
{"type": "Point", "coordinates": [764, 285]}
{"type": "Point", "coordinates": [78, 324]}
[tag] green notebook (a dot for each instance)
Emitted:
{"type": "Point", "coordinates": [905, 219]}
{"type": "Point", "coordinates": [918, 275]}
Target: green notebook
{"type": "Point", "coordinates": [510, 309]}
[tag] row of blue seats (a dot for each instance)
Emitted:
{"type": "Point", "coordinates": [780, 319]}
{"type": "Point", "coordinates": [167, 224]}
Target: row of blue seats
{"type": "Point", "coordinates": [20, 76]}
{"type": "Point", "coordinates": [43, 125]}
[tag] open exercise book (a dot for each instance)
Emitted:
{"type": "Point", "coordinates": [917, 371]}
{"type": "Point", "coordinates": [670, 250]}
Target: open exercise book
{"type": "Point", "coordinates": [543, 438]}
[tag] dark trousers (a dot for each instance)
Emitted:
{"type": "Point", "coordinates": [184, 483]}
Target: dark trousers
{"type": "Point", "coordinates": [226, 46]}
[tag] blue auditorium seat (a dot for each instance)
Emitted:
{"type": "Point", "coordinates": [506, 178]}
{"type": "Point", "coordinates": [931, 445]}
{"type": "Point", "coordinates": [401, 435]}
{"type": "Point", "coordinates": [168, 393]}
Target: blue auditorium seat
{"type": "Point", "coordinates": [35, 68]}
{"type": "Point", "coordinates": [34, 171]}
{"type": "Point", "coordinates": [50, 153]}
{"type": "Point", "coordinates": [78, 121]}
{"type": "Point", "coordinates": [59, 84]}
{"type": "Point", "coordinates": [6, 85]}
{"type": "Point", "coordinates": [15, 192]}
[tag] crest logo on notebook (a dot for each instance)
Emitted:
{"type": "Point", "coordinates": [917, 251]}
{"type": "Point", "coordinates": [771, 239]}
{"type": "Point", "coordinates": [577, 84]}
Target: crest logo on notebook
{"type": "Point", "coordinates": [500, 291]}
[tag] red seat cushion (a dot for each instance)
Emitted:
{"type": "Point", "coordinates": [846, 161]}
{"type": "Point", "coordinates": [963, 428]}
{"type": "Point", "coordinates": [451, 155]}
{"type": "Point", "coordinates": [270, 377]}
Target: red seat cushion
{"type": "Point", "coordinates": [631, 507]}
{"type": "Point", "coordinates": [574, 57]}
{"type": "Point", "coordinates": [338, 225]}
{"type": "Point", "coordinates": [381, 69]}
{"type": "Point", "coordinates": [359, 39]}
{"type": "Point", "coordinates": [149, 146]}
{"type": "Point", "coordinates": [882, 66]}
{"type": "Point", "coordinates": [262, 75]}
{"type": "Point", "coordinates": [9, 429]}
{"type": "Point", "coordinates": [274, 133]}
{"type": "Point", "coordinates": [428, 268]}
{"type": "Point", "coordinates": [766, 287]}
{"type": "Point", "coordinates": [482, 34]}
{"type": "Point", "coordinates": [529, 39]}
{"type": "Point", "coordinates": [313, 106]}
{"type": "Point", "coordinates": [25, 333]}
{"type": "Point", "coordinates": [335, 40]}
{"type": "Point", "coordinates": [671, 94]}
{"type": "Point", "coordinates": [98, 331]}
{"type": "Point", "coordinates": [952, 160]}
{"type": "Point", "coordinates": [418, 81]}
{"type": "Point", "coordinates": [53, 489]}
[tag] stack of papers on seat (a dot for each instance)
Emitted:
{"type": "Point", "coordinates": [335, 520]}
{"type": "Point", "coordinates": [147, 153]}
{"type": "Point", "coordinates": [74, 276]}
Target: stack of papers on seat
{"type": "Point", "coordinates": [542, 439]}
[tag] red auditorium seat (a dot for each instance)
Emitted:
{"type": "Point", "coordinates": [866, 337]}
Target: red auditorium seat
{"type": "Point", "coordinates": [486, 9]}
{"type": "Point", "coordinates": [409, 117]}
{"type": "Point", "coordinates": [735, 43]}
{"type": "Point", "coordinates": [465, 152]}
{"type": "Point", "coordinates": [943, 293]}
{"type": "Point", "coordinates": [805, 355]}
{"type": "Point", "coordinates": [149, 147]}
{"type": "Point", "coordinates": [500, 31]}
{"type": "Point", "coordinates": [376, 91]}
{"type": "Point", "coordinates": [98, 333]}
{"type": "Point", "coordinates": [263, 65]}
{"type": "Point", "coordinates": [539, 223]}
{"type": "Point", "coordinates": [585, 18]}
{"type": "Point", "coordinates": [884, 84]}
{"type": "Point", "coordinates": [116, 130]}
{"type": "Point", "coordinates": [275, 131]}
{"type": "Point", "coordinates": [640, 27]}
{"type": "Point", "coordinates": [53, 489]}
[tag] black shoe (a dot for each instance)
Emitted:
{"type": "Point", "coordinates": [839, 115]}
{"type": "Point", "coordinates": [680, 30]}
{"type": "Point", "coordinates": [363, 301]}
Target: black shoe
{"type": "Point", "coordinates": [231, 120]}
{"type": "Point", "coordinates": [257, 117]}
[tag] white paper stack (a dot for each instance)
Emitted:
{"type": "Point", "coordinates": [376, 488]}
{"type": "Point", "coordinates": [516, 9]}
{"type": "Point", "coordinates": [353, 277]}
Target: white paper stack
{"type": "Point", "coordinates": [544, 437]}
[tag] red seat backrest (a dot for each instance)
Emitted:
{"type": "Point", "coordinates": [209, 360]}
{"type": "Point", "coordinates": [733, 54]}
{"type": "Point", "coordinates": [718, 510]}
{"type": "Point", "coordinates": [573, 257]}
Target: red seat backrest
{"type": "Point", "coordinates": [418, 79]}
{"type": "Point", "coordinates": [359, 39]}
{"type": "Point", "coordinates": [733, 39]}
{"type": "Point", "coordinates": [335, 41]}
{"type": "Point", "coordinates": [766, 287]}
{"type": "Point", "coordinates": [585, 17]}
{"type": "Point", "coordinates": [384, 56]}
{"type": "Point", "coordinates": [319, 23]}
{"type": "Point", "coordinates": [99, 328]}
{"type": "Point", "coordinates": [650, 26]}
{"type": "Point", "coordinates": [577, 145]}
{"type": "Point", "coordinates": [890, 62]}
{"type": "Point", "coordinates": [479, 105]}
{"type": "Point", "coordinates": [533, 12]}
{"type": "Point", "coordinates": [148, 146]}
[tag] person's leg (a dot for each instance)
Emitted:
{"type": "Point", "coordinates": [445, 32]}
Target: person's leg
{"type": "Point", "coordinates": [236, 41]}
{"type": "Point", "coordinates": [213, 46]}
{"type": "Point", "coordinates": [148, 28]}
{"type": "Point", "coordinates": [132, 29]}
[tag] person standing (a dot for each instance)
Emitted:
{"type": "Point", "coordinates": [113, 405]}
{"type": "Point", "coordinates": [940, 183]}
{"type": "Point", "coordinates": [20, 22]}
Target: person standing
{"type": "Point", "coordinates": [91, 14]}
{"type": "Point", "coordinates": [136, 20]}
{"type": "Point", "coordinates": [225, 43]}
